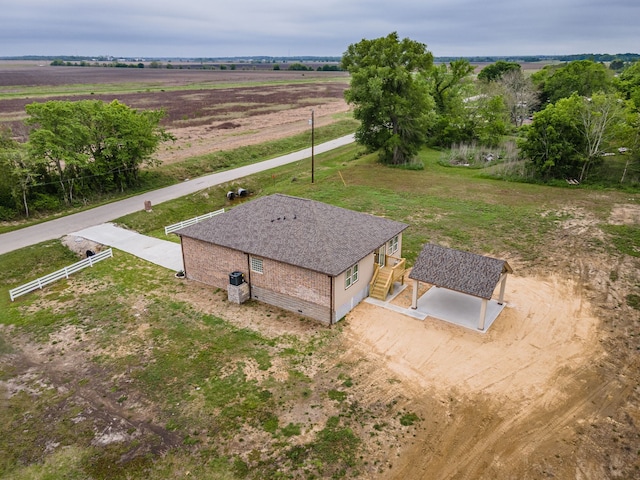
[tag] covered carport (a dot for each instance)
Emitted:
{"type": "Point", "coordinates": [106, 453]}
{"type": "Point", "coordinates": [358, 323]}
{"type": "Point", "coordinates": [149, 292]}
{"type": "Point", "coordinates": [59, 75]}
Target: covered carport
{"type": "Point", "coordinates": [462, 281]}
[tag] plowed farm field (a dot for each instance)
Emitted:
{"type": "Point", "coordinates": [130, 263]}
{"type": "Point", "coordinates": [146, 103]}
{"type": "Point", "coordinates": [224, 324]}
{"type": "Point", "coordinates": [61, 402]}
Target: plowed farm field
{"type": "Point", "coordinates": [207, 110]}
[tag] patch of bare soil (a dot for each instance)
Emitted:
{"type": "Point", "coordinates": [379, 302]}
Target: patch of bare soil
{"type": "Point", "coordinates": [625, 215]}
{"type": "Point", "coordinates": [202, 139]}
{"type": "Point", "coordinates": [98, 404]}
{"type": "Point", "coordinates": [549, 391]}
{"type": "Point", "coordinates": [529, 364]}
{"type": "Point", "coordinates": [80, 245]}
{"type": "Point", "coordinates": [270, 321]}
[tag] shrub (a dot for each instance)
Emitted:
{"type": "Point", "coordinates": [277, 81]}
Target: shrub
{"type": "Point", "coordinates": [408, 419]}
{"type": "Point", "coordinates": [7, 213]}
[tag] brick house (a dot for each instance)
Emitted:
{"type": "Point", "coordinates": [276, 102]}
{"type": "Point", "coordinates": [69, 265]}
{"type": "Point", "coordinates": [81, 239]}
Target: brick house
{"type": "Point", "coordinates": [297, 254]}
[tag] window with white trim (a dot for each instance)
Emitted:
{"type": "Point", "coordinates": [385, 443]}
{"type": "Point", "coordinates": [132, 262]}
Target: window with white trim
{"type": "Point", "coordinates": [393, 245]}
{"type": "Point", "coordinates": [351, 276]}
{"type": "Point", "coordinates": [256, 265]}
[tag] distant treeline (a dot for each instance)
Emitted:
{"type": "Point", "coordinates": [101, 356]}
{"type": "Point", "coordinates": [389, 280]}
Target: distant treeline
{"type": "Point", "coordinates": [311, 66]}
{"type": "Point", "coordinates": [109, 59]}
{"type": "Point", "coordinates": [596, 57]}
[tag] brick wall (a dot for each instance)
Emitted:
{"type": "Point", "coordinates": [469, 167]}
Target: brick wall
{"type": "Point", "coordinates": [291, 288]}
{"type": "Point", "coordinates": [301, 283]}
{"type": "Point", "coordinates": [211, 264]}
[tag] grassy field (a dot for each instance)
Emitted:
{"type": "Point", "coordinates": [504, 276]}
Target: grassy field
{"type": "Point", "coordinates": [125, 372]}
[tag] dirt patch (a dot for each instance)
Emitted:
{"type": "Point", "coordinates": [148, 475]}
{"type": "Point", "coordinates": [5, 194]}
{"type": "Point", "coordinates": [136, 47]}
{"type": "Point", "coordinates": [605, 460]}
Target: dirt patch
{"type": "Point", "coordinates": [525, 382]}
{"type": "Point", "coordinates": [80, 245]}
{"type": "Point", "coordinates": [270, 321]}
{"type": "Point", "coordinates": [98, 405]}
{"type": "Point", "coordinates": [545, 328]}
{"type": "Point", "coordinates": [203, 139]}
{"type": "Point", "coordinates": [548, 391]}
{"type": "Point", "coordinates": [625, 215]}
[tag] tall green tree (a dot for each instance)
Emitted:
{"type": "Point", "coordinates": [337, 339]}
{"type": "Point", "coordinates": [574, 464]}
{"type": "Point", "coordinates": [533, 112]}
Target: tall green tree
{"type": "Point", "coordinates": [463, 115]}
{"type": "Point", "coordinates": [553, 144]}
{"type": "Point", "coordinates": [628, 83]}
{"type": "Point", "coordinates": [449, 85]}
{"type": "Point", "coordinates": [568, 137]}
{"type": "Point", "coordinates": [121, 140]}
{"type": "Point", "coordinates": [583, 77]}
{"type": "Point", "coordinates": [59, 141]}
{"type": "Point", "coordinates": [390, 95]}
{"type": "Point", "coordinates": [17, 175]}
{"type": "Point", "coordinates": [92, 146]}
{"type": "Point", "coordinates": [495, 71]}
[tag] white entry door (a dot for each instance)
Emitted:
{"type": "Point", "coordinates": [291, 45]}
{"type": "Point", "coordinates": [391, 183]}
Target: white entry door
{"type": "Point", "coordinates": [382, 256]}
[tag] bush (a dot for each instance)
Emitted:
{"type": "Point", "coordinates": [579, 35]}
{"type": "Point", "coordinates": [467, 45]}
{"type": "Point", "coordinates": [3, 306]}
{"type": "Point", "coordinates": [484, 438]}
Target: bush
{"type": "Point", "coordinates": [408, 419]}
{"type": "Point", "coordinates": [299, 67]}
{"type": "Point", "coordinates": [7, 213]}
{"type": "Point", "coordinates": [44, 202]}
{"type": "Point", "coordinates": [633, 301]}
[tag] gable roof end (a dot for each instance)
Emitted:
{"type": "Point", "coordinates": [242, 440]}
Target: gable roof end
{"type": "Point", "coordinates": [463, 272]}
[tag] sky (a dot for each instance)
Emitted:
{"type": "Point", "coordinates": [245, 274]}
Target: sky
{"type": "Point", "coordinates": [289, 28]}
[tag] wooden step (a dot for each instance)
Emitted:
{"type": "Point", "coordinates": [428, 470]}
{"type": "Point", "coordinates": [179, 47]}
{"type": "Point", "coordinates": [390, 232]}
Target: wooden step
{"type": "Point", "coordinates": [379, 291]}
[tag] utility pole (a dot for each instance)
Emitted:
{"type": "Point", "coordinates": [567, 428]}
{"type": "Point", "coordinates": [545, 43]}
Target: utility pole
{"type": "Point", "coordinates": [312, 139]}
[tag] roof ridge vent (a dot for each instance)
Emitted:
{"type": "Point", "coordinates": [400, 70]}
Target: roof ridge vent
{"type": "Point", "coordinates": [283, 218]}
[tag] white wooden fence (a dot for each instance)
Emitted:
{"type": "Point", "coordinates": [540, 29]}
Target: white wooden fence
{"type": "Point", "coordinates": [63, 273]}
{"type": "Point", "coordinates": [192, 221]}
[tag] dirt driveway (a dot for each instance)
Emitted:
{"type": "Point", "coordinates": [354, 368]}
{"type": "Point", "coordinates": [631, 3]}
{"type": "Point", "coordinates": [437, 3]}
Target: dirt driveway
{"type": "Point", "coordinates": [511, 390]}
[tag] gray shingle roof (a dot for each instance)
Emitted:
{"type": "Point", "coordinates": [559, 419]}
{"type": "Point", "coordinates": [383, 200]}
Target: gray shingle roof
{"type": "Point", "coordinates": [463, 272]}
{"type": "Point", "coordinates": [297, 231]}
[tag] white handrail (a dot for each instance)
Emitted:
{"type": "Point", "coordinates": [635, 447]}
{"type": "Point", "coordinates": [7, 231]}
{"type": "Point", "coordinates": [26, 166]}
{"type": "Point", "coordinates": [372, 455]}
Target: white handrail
{"type": "Point", "coordinates": [57, 275]}
{"type": "Point", "coordinates": [191, 221]}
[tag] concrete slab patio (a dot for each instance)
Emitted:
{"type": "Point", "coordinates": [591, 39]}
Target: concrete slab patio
{"type": "Point", "coordinates": [447, 305]}
{"type": "Point", "coordinates": [161, 252]}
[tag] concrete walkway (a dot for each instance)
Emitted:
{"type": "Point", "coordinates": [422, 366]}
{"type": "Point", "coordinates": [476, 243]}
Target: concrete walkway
{"type": "Point", "coordinates": [161, 252]}
{"type": "Point", "coordinates": [106, 213]}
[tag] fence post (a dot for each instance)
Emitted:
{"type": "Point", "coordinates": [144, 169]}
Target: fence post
{"type": "Point", "coordinates": [58, 274]}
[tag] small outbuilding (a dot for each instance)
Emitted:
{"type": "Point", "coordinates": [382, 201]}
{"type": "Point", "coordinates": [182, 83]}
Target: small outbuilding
{"type": "Point", "coordinates": [463, 272]}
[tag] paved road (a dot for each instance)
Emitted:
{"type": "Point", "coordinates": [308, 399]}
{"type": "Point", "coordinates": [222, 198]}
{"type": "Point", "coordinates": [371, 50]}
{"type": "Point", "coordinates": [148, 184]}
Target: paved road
{"type": "Point", "coordinates": [62, 226]}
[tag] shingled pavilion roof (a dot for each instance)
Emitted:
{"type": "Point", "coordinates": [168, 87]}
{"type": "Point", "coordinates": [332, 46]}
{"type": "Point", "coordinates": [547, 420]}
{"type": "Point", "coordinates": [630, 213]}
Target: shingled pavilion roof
{"type": "Point", "coordinates": [463, 272]}
{"type": "Point", "coordinates": [297, 231]}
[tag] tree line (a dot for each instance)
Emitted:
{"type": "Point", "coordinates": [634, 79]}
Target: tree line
{"type": "Point", "coordinates": [567, 118]}
{"type": "Point", "coordinates": [75, 151]}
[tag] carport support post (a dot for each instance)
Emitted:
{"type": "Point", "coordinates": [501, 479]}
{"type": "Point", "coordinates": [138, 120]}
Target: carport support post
{"type": "Point", "coordinates": [503, 284]}
{"type": "Point", "coordinates": [483, 314]}
{"type": "Point", "coordinates": [414, 301]}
